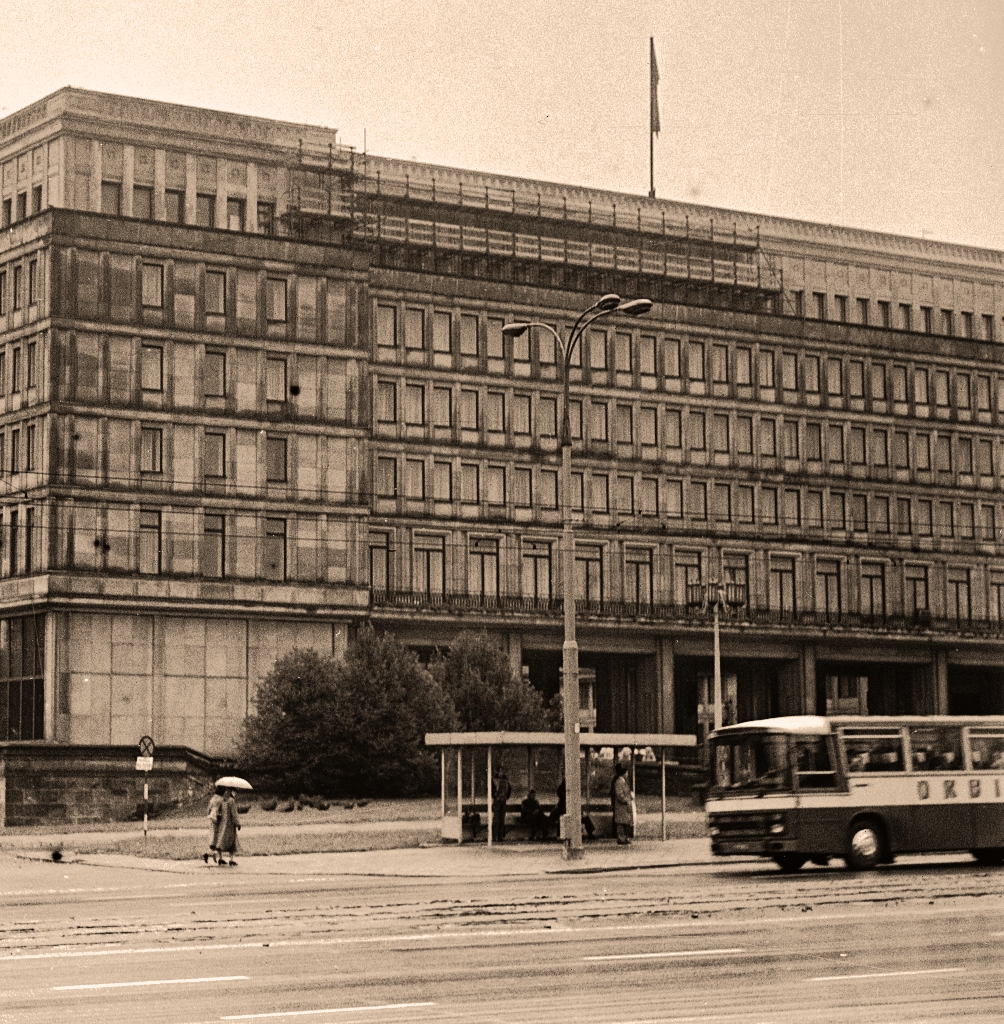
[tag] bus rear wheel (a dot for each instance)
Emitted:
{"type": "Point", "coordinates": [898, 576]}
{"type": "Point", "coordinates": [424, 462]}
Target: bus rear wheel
{"type": "Point", "coordinates": [864, 846]}
{"type": "Point", "coordinates": [992, 857]}
{"type": "Point", "coordinates": [789, 863]}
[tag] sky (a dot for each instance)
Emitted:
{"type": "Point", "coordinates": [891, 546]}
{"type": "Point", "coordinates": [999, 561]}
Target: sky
{"type": "Point", "coordinates": [879, 114]}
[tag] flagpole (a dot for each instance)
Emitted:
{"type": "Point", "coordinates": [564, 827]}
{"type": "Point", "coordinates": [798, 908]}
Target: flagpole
{"type": "Point", "coordinates": [653, 113]}
{"type": "Point", "coordinates": [651, 164]}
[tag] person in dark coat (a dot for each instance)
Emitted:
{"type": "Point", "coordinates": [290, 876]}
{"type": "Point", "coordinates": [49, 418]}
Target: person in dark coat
{"type": "Point", "coordinates": [501, 791]}
{"type": "Point", "coordinates": [229, 826]}
{"type": "Point", "coordinates": [214, 814]}
{"type": "Point", "coordinates": [623, 812]}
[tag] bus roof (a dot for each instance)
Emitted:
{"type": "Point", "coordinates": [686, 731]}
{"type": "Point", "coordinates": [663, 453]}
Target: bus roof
{"type": "Point", "coordinates": [817, 725]}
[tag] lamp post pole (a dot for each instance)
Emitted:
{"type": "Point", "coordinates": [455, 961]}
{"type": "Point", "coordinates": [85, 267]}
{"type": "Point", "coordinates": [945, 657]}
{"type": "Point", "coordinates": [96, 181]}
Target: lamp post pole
{"type": "Point", "coordinates": [572, 820]}
{"type": "Point", "coordinates": [715, 593]}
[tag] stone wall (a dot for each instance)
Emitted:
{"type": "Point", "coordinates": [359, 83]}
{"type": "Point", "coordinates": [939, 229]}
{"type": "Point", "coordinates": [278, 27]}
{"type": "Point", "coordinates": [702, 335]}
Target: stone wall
{"type": "Point", "coordinates": [64, 785]}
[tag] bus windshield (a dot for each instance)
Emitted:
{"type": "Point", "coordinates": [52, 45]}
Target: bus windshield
{"type": "Point", "coordinates": [756, 761]}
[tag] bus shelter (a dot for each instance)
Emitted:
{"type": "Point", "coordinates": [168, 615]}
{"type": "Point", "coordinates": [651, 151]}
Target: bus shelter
{"type": "Point", "coordinates": [535, 761]}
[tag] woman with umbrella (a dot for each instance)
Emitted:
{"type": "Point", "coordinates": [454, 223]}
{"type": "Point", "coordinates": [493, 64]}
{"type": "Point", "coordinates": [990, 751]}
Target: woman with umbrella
{"type": "Point", "coordinates": [225, 819]}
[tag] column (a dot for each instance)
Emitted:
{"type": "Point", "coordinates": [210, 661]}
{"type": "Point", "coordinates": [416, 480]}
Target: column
{"type": "Point", "coordinates": [251, 204]}
{"type": "Point", "coordinates": [95, 176]}
{"type": "Point", "coordinates": [128, 176]}
{"type": "Point", "coordinates": [666, 685]}
{"type": "Point", "coordinates": [159, 183]}
{"type": "Point", "coordinates": [191, 180]}
{"type": "Point", "coordinates": [221, 193]}
{"type": "Point", "coordinates": [49, 678]}
{"type": "Point", "coordinates": [940, 683]}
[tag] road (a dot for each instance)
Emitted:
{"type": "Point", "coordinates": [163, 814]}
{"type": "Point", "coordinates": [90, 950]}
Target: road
{"type": "Point", "coordinates": [732, 943]}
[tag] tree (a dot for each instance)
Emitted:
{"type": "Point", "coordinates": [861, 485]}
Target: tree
{"type": "Point", "coordinates": [284, 746]}
{"type": "Point", "coordinates": [486, 694]}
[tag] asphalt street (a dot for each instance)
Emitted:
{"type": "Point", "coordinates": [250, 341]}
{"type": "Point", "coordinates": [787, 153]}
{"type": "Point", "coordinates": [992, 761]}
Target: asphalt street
{"type": "Point", "coordinates": [920, 941]}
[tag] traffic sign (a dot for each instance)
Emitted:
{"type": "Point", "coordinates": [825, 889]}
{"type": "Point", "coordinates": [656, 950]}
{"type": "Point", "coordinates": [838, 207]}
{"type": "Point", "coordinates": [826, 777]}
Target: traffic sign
{"type": "Point", "coordinates": [144, 764]}
{"type": "Point", "coordinates": [146, 746]}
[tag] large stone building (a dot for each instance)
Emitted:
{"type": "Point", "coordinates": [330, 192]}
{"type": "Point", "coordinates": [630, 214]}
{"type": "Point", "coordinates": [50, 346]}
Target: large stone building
{"type": "Point", "coordinates": [255, 392]}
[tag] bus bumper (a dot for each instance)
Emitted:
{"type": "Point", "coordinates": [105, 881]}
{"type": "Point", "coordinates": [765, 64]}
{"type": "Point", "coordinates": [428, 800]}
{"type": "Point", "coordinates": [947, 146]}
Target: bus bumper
{"type": "Point", "coordinates": [752, 847]}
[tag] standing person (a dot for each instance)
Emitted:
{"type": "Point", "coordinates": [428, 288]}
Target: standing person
{"type": "Point", "coordinates": [501, 791]}
{"type": "Point", "coordinates": [623, 813]}
{"type": "Point", "coordinates": [215, 815]}
{"type": "Point", "coordinates": [230, 823]}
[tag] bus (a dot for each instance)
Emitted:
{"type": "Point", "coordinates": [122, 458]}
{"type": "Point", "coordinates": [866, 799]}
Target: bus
{"type": "Point", "coordinates": [864, 789]}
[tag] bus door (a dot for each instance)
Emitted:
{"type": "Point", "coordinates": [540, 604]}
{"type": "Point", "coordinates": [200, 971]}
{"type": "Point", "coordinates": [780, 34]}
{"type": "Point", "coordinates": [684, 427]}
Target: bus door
{"type": "Point", "coordinates": [943, 812]}
{"type": "Point", "coordinates": [820, 798]}
{"type": "Point", "coordinates": [986, 748]}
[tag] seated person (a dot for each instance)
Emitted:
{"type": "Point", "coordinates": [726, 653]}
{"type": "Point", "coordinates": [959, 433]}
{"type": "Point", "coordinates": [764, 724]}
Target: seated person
{"type": "Point", "coordinates": [529, 807]}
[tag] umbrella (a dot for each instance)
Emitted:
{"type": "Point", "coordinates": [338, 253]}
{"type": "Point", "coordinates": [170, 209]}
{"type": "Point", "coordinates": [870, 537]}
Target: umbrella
{"type": "Point", "coordinates": [233, 782]}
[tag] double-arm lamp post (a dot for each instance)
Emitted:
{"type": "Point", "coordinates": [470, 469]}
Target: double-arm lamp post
{"type": "Point", "coordinates": [608, 304]}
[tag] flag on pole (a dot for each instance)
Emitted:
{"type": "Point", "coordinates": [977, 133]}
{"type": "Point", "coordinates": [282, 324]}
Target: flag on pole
{"type": "Point", "coordinates": [654, 82]}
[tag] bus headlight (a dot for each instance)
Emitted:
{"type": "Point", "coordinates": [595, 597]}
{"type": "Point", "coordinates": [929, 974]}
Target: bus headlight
{"type": "Point", "coordinates": [776, 824]}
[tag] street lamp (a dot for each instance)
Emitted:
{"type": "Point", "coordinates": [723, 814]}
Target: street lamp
{"type": "Point", "coordinates": [713, 596]}
{"type": "Point", "coordinates": [607, 304]}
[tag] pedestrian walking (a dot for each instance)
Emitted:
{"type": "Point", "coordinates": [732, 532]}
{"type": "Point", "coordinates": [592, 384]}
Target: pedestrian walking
{"type": "Point", "coordinates": [230, 824]}
{"type": "Point", "coordinates": [215, 816]}
{"type": "Point", "coordinates": [501, 791]}
{"type": "Point", "coordinates": [623, 805]}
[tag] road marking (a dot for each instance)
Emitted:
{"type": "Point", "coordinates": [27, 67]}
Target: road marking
{"type": "Point", "coordinates": [339, 1009]}
{"type": "Point", "coordinates": [889, 974]}
{"type": "Point", "coordinates": [652, 956]}
{"type": "Point", "coordinates": [139, 984]}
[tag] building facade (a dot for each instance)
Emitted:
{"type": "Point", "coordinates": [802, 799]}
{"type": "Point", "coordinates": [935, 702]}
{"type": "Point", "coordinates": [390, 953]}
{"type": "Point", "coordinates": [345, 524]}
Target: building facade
{"type": "Point", "coordinates": [254, 392]}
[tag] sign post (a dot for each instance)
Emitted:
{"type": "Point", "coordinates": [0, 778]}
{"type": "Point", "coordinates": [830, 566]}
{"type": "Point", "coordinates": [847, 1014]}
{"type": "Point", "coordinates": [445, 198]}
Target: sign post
{"type": "Point", "coordinates": [144, 763]}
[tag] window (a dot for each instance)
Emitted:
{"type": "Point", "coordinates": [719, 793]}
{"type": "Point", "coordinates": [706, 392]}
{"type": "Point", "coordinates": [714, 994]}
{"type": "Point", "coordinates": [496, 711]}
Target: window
{"type": "Point", "coordinates": [904, 316]}
{"type": "Point", "coordinates": [856, 445]}
{"type": "Point", "coordinates": [29, 447]}
{"type": "Point", "coordinates": [386, 326]}
{"type": "Point", "coordinates": [151, 444]}
{"type": "Point", "coordinates": [922, 452]}
{"type": "Point", "coordinates": [962, 391]}
{"type": "Point", "coordinates": [235, 214]}
{"type": "Point", "coordinates": [495, 412]}
{"type": "Point", "coordinates": [927, 313]}
{"type": "Point", "coordinates": [214, 455]}
{"type": "Point", "coordinates": [32, 282]}
{"type": "Point", "coordinates": [671, 353]}
{"type": "Point", "coordinates": [213, 546]}
{"type": "Point", "coordinates": [6, 216]}
{"type": "Point", "coordinates": [834, 377]}
{"type": "Point", "coordinates": [819, 299]}
{"type": "Point", "coordinates": [688, 573]}
{"type": "Point", "coordinates": [841, 301]}
{"type": "Point", "coordinates": [901, 450]}
{"type": "Point", "coordinates": [547, 488]}
{"type": "Point", "coordinates": [275, 550]}
{"type": "Point", "coordinates": [698, 500]}
{"type": "Point", "coordinates": [637, 576]}
{"type": "Point", "coordinates": [215, 374]}
{"type": "Point", "coordinates": [744, 366]}
{"type": "Point", "coordinates": [414, 329]}
{"type": "Point", "coordinates": [798, 302]}
{"type": "Point", "coordinates": [379, 550]}
{"type": "Point", "coordinates": [856, 378]}
{"type": "Point", "coordinates": [468, 335]}
{"type": "Point", "coordinates": [15, 371]}
{"type": "Point", "coordinates": [863, 311]}
{"type": "Point", "coordinates": [142, 202]}
{"type": "Point", "coordinates": [674, 499]}
{"type": "Point", "coordinates": [925, 518]}
{"type": "Point", "coordinates": [646, 355]}
{"type": "Point", "coordinates": [536, 569]}
{"type": "Point", "coordinates": [885, 313]}
{"type": "Point", "coordinates": [813, 442]}
{"type": "Point", "coordinates": [600, 493]}
{"type": "Point", "coordinates": [414, 479]}
{"type": "Point", "coordinates": [958, 595]}
{"type": "Point", "coordinates": [216, 293]}
{"type": "Point", "coordinates": [624, 424]}
{"type": "Point", "coordinates": [789, 371]}
{"type": "Point", "coordinates": [789, 439]}
{"type": "Point", "coordinates": [414, 404]}
{"type": "Point", "coordinates": [15, 456]}
{"type": "Point", "coordinates": [648, 497]}
{"type": "Point", "coordinates": [153, 285]}
{"type": "Point", "coordinates": [149, 542]}
{"type": "Point", "coordinates": [835, 443]}
{"type": "Point", "coordinates": [828, 587]}
{"type": "Point", "coordinates": [915, 597]}
{"type": "Point", "coordinates": [386, 401]}
{"type": "Point", "coordinates": [943, 453]}
{"type": "Point", "coordinates": [3, 292]}
{"type": "Point", "coordinates": [673, 429]}
{"type": "Point", "coordinates": [810, 367]}
{"type": "Point", "coordinates": [205, 211]}
{"type": "Point", "coordinates": [174, 207]}
{"type": "Point", "coordinates": [266, 218]}
{"type": "Point", "coordinates": [470, 483]}
{"type": "Point", "coordinates": [386, 477]}
{"type": "Point", "coordinates": [878, 382]}
{"type": "Point", "coordinates": [648, 427]}
{"type": "Point", "coordinates": [599, 421]}
{"type": "Point", "coordinates": [521, 414]}
{"type": "Point", "coordinates": [275, 300]}
{"type": "Point", "coordinates": [782, 585]}
{"type": "Point", "coordinates": [111, 200]}
{"type": "Point", "coordinates": [947, 322]}
{"type": "Point", "coordinates": [967, 325]}
{"type": "Point", "coordinates": [899, 384]}
{"type": "Point", "coordinates": [965, 454]}
{"type": "Point", "coordinates": [988, 327]}
{"type": "Point", "coordinates": [859, 513]}
{"type": "Point", "coordinates": [695, 360]}
{"type": "Point", "coordinates": [695, 431]}
{"type": "Point", "coordinates": [495, 485]}
{"type": "Point", "coordinates": [768, 506]}
{"type": "Point", "coordinates": [30, 373]}
{"type": "Point", "coordinates": [904, 519]}
{"type": "Point", "coordinates": [442, 407]}
{"type": "Point", "coordinates": [720, 432]}
{"type": "Point", "coordinates": [468, 410]}
{"type": "Point", "coordinates": [721, 503]}
{"type": "Point", "coordinates": [838, 511]}
{"type": "Point", "coordinates": [984, 457]}
{"type": "Point", "coordinates": [765, 365]}
{"type": "Point", "coordinates": [522, 487]}
{"type": "Point", "coordinates": [921, 394]}
{"type": "Point", "coordinates": [814, 509]}
{"type": "Point", "coordinates": [982, 393]}
{"type": "Point", "coordinates": [720, 364]}
{"type": "Point", "coordinates": [744, 435]}
{"type": "Point", "coordinates": [768, 439]}
{"type": "Point", "coordinates": [275, 379]}
{"type": "Point", "coordinates": [17, 296]}
{"type": "Point", "coordinates": [275, 459]}
{"type": "Point", "coordinates": [597, 350]}
{"type": "Point", "coordinates": [483, 567]}
{"type": "Point", "coordinates": [442, 481]}
{"type": "Point", "coordinates": [987, 525]}
{"type": "Point", "coordinates": [946, 519]}
{"type": "Point", "coordinates": [744, 504]}
{"type": "Point", "coordinates": [941, 394]}
{"type": "Point", "coordinates": [792, 508]}
{"type": "Point", "coordinates": [967, 520]}
{"type": "Point", "coordinates": [547, 417]}
{"type": "Point", "coordinates": [575, 419]}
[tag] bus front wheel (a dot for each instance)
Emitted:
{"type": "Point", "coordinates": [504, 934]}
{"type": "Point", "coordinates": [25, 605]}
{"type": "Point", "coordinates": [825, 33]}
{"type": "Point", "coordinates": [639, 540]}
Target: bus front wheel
{"type": "Point", "coordinates": [993, 857]}
{"type": "Point", "coordinates": [864, 846]}
{"type": "Point", "coordinates": [789, 863]}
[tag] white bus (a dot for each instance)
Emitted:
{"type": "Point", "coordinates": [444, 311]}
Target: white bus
{"type": "Point", "coordinates": [864, 789]}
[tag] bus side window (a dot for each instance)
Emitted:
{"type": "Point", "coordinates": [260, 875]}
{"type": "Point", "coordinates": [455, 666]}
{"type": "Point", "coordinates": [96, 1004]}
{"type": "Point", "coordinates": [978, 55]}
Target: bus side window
{"type": "Point", "coordinates": [936, 749]}
{"type": "Point", "coordinates": [814, 768]}
{"type": "Point", "coordinates": [987, 750]}
{"type": "Point", "coordinates": [873, 753]}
